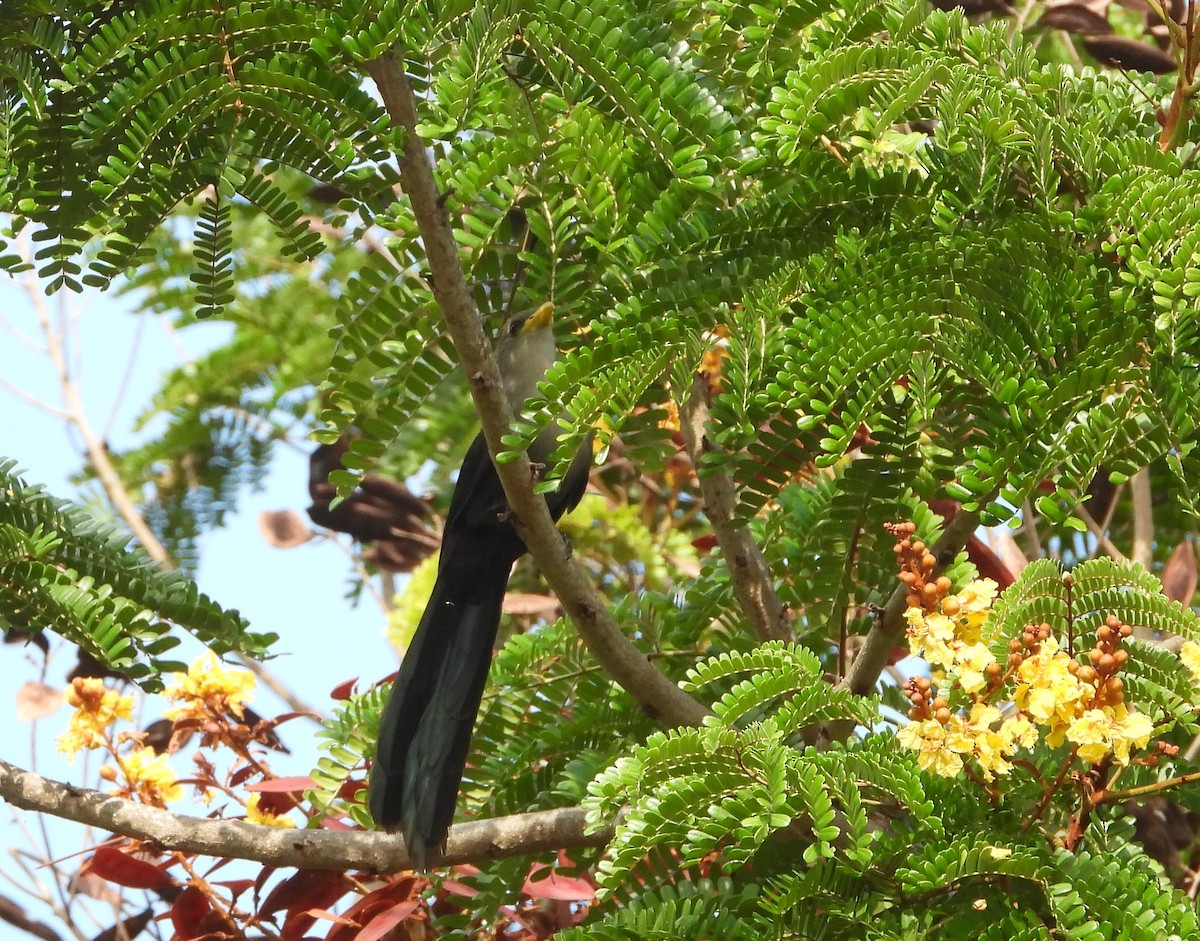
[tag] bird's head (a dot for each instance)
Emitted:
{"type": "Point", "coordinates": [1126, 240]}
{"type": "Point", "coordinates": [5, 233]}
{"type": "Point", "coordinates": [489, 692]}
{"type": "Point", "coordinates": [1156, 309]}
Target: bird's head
{"type": "Point", "coordinates": [524, 351]}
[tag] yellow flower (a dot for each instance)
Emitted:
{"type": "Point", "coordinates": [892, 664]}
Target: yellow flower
{"type": "Point", "coordinates": [96, 708]}
{"type": "Point", "coordinates": [1091, 733]}
{"type": "Point", "coordinates": [944, 749]}
{"type": "Point", "coordinates": [929, 739]}
{"type": "Point", "coordinates": [992, 752]}
{"type": "Point", "coordinates": [265, 818]}
{"type": "Point", "coordinates": [954, 637]}
{"type": "Point", "coordinates": [1129, 729]}
{"type": "Point", "coordinates": [1110, 729]}
{"type": "Point", "coordinates": [1048, 693]}
{"type": "Point", "coordinates": [930, 635]}
{"type": "Point", "coordinates": [1019, 731]}
{"type": "Point", "coordinates": [150, 777]}
{"type": "Point", "coordinates": [209, 687]}
{"type": "Point", "coordinates": [974, 602]}
{"type": "Point", "coordinates": [970, 661]}
{"type": "Point", "coordinates": [988, 746]}
{"type": "Point", "coordinates": [1189, 653]}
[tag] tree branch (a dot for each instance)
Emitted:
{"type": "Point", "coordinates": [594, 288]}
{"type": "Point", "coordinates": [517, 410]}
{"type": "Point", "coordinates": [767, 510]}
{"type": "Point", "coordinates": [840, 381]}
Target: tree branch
{"type": "Point", "coordinates": [767, 614]}
{"type": "Point", "coordinates": [654, 693]}
{"type": "Point", "coordinates": [15, 915]}
{"type": "Point", "coordinates": [1143, 518]}
{"type": "Point", "coordinates": [477, 840]}
{"type": "Point", "coordinates": [97, 450]}
{"type": "Point", "coordinates": [889, 627]}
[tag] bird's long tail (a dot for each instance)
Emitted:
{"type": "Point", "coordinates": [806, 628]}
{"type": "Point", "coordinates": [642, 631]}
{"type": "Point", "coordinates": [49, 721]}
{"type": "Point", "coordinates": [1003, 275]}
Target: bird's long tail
{"type": "Point", "coordinates": [425, 730]}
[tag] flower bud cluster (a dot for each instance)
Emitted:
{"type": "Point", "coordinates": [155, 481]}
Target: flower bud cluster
{"type": "Point", "coordinates": [916, 568]}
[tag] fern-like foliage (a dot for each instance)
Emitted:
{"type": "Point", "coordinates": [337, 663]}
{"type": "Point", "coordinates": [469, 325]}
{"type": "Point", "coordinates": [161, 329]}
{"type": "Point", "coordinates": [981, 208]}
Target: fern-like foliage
{"type": "Point", "coordinates": [917, 264]}
{"type": "Point", "coordinates": [738, 772]}
{"type": "Point", "coordinates": [61, 570]}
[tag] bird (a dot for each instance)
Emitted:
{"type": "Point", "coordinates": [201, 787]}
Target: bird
{"type": "Point", "coordinates": [425, 727]}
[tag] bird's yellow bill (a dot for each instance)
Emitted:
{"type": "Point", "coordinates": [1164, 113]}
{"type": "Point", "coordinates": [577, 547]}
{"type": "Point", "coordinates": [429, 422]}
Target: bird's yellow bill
{"type": "Point", "coordinates": [542, 317]}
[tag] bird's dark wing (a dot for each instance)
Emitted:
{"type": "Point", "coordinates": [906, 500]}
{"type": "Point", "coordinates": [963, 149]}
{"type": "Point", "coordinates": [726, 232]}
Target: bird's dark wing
{"type": "Point", "coordinates": [425, 730]}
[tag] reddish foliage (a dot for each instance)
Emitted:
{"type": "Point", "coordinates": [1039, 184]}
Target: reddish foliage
{"type": "Point", "coordinates": [350, 787]}
{"type": "Point", "coordinates": [300, 894]}
{"type": "Point", "coordinates": [378, 912]}
{"type": "Point", "coordinates": [1179, 575]}
{"type": "Point", "coordinates": [190, 914]}
{"type": "Point", "coordinates": [236, 886]}
{"type": "Point", "coordinates": [114, 865]}
{"type": "Point", "coordinates": [344, 690]}
{"type": "Point", "coordinates": [986, 561]}
{"type": "Point", "coordinates": [384, 922]}
{"type": "Point", "coordinates": [557, 886]}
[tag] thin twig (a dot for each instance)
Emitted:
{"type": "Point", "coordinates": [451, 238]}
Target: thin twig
{"type": "Point", "coordinates": [1029, 533]}
{"type": "Point", "coordinates": [30, 399]}
{"type": "Point", "coordinates": [1103, 543]}
{"type": "Point", "coordinates": [126, 375]}
{"type": "Point", "coordinates": [97, 450]}
{"type": "Point", "coordinates": [275, 685]}
{"type": "Point", "coordinates": [752, 581]}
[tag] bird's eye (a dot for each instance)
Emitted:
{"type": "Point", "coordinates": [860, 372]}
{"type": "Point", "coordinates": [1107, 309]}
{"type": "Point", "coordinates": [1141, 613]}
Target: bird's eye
{"type": "Point", "coordinates": [514, 327]}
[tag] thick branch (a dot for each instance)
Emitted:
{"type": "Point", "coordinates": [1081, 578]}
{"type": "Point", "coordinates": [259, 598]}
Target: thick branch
{"type": "Point", "coordinates": [654, 693]}
{"type": "Point", "coordinates": [889, 627]}
{"type": "Point", "coordinates": [768, 615]}
{"type": "Point", "coordinates": [305, 849]}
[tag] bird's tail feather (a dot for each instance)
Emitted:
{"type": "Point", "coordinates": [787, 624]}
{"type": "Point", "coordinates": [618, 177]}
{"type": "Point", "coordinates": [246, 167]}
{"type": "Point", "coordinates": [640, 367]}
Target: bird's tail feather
{"type": "Point", "coordinates": [425, 730]}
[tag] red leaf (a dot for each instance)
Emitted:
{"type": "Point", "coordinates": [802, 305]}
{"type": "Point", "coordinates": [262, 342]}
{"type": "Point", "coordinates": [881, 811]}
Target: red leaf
{"type": "Point", "coordinates": [126, 928]}
{"type": "Point", "coordinates": [349, 788]}
{"type": "Point", "coordinates": [557, 886]}
{"type": "Point", "coordinates": [188, 912]}
{"type": "Point", "coordinates": [326, 915]}
{"type": "Point", "coordinates": [987, 563]}
{"type": "Point", "coordinates": [239, 777]}
{"type": "Point", "coordinates": [454, 887]}
{"type": "Point", "coordinates": [344, 690]}
{"type": "Point", "coordinates": [113, 865]}
{"type": "Point", "coordinates": [303, 888]}
{"type": "Point", "coordinates": [386, 681]}
{"type": "Point", "coordinates": [283, 785]}
{"type": "Point", "coordinates": [896, 654]}
{"type": "Point", "coordinates": [380, 925]}
{"type": "Point", "coordinates": [383, 899]}
{"type": "Point", "coordinates": [236, 886]}
{"type": "Point", "coordinates": [317, 891]}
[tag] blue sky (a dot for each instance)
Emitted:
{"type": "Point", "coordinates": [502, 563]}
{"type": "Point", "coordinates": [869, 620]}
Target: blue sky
{"type": "Point", "coordinates": [297, 593]}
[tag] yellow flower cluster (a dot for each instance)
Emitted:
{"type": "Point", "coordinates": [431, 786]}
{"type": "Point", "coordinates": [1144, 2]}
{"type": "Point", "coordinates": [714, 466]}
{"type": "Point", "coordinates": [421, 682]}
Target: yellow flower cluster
{"type": "Point", "coordinates": [943, 749]}
{"type": "Point", "coordinates": [1053, 695]}
{"type": "Point", "coordinates": [952, 638]}
{"type": "Point", "coordinates": [209, 688]}
{"type": "Point", "coordinates": [96, 708]}
{"type": "Point", "coordinates": [148, 775]}
{"type": "Point", "coordinates": [1057, 694]}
